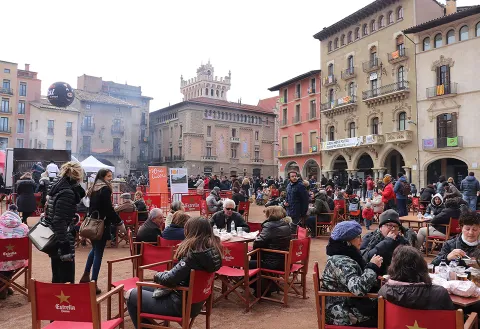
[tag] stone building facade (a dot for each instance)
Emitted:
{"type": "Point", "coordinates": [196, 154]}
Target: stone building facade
{"type": "Point", "coordinates": [448, 93]}
{"type": "Point", "coordinates": [206, 84]}
{"type": "Point", "coordinates": [368, 95]}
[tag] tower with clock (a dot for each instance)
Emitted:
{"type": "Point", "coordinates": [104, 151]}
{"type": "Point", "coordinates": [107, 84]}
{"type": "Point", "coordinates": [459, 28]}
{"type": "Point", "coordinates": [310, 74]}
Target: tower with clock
{"type": "Point", "coordinates": [206, 84]}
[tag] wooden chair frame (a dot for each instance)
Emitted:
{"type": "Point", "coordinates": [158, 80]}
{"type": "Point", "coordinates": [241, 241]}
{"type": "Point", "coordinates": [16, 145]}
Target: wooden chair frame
{"type": "Point", "coordinates": [133, 227]}
{"type": "Point", "coordinates": [26, 271]}
{"type": "Point", "coordinates": [439, 241]}
{"type": "Point", "coordinates": [245, 206]}
{"type": "Point", "coordinates": [322, 226]}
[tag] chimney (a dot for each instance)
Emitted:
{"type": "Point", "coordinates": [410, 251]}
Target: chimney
{"type": "Point", "coordinates": [451, 7]}
{"type": "Point", "coordinates": [27, 67]}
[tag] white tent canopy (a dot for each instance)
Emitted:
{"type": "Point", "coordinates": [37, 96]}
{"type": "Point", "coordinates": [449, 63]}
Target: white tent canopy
{"type": "Point", "coordinates": [91, 164]}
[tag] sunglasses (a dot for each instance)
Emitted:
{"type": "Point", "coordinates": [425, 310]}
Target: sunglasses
{"type": "Point", "coordinates": [229, 209]}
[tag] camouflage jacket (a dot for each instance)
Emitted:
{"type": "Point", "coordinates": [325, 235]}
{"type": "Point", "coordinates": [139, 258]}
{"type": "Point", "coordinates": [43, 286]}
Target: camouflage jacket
{"type": "Point", "coordinates": [343, 274]}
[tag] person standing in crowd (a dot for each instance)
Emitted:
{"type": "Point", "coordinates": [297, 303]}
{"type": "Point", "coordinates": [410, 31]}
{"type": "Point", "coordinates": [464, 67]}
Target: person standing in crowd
{"type": "Point", "coordinates": [356, 186]}
{"type": "Point", "coordinates": [363, 183]}
{"type": "Point", "coordinates": [384, 240]}
{"type": "Point", "coordinates": [401, 194]}
{"type": "Point", "coordinates": [223, 219]}
{"type": "Point", "coordinates": [141, 206]}
{"type": "Point", "coordinates": [450, 180]}
{"type": "Point", "coordinates": [246, 186]}
{"type": "Point", "coordinates": [324, 180]}
{"type": "Point", "coordinates": [37, 170]}
{"type": "Point", "coordinates": [174, 207]}
{"type": "Point", "coordinates": [224, 184]}
{"type": "Point", "coordinates": [370, 186]}
{"type": "Point", "coordinates": [470, 188]}
{"type": "Point", "coordinates": [439, 187]}
{"type": "Point", "coordinates": [388, 196]}
{"type": "Point", "coordinates": [26, 202]}
{"type": "Point", "coordinates": [126, 204]}
{"type": "Point", "coordinates": [53, 170]}
{"type": "Point", "coordinates": [238, 197]}
{"type": "Point", "coordinates": [347, 271]}
{"type": "Point", "coordinates": [200, 184]}
{"type": "Point", "coordinates": [451, 191]}
{"type": "Point", "coordinates": [427, 193]}
{"type": "Point", "coordinates": [43, 185]}
{"type": "Point", "coordinates": [320, 212]}
{"type": "Point", "coordinates": [100, 195]}
{"type": "Point", "coordinates": [191, 182]}
{"type": "Point", "coordinates": [175, 231]}
{"type": "Point", "coordinates": [367, 215]}
{"type": "Point", "coordinates": [410, 285]}
{"type": "Point", "coordinates": [377, 203]}
{"type": "Point", "coordinates": [64, 195]}
{"type": "Point", "coordinates": [312, 181]}
{"type": "Point", "coordinates": [214, 182]}
{"type": "Point", "coordinates": [11, 227]}
{"type": "Point", "coordinates": [151, 229]}
{"type": "Point", "coordinates": [297, 198]}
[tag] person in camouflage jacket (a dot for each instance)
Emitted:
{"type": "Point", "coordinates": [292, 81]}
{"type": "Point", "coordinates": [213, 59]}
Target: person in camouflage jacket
{"type": "Point", "coordinates": [346, 271]}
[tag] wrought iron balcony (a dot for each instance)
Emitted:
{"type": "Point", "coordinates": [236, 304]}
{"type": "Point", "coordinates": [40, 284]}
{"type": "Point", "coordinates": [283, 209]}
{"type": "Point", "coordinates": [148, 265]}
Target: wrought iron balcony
{"type": "Point", "coordinates": [312, 115]}
{"type": "Point", "coordinates": [392, 92]}
{"type": "Point", "coordinates": [399, 137]}
{"type": "Point", "coordinates": [209, 158]}
{"type": "Point", "coordinates": [344, 104]}
{"type": "Point", "coordinates": [235, 140]}
{"type": "Point", "coordinates": [257, 160]}
{"type": "Point", "coordinates": [349, 73]}
{"type": "Point", "coordinates": [6, 91]}
{"type": "Point", "coordinates": [297, 119]}
{"type": "Point", "coordinates": [90, 127]}
{"type": "Point", "coordinates": [118, 130]}
{"type": "Point", "coordinates": [329, 80]}
{"type": "Point", "coordinates": [299, 151]}
{"type": "Point", "coordinates": [397, 56]}
{"type": "Point", "coordinates": [373, 140]}
{"type": "Point", "coordinates": [442, 144]}
{"type": "Point", "coordinates": [297, 94]}
{"type": "Point", "coordinates": [371, 65]}
{"type": "Point", "coordinates": [441, 90]}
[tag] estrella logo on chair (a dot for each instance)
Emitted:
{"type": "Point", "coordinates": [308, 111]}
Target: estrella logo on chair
{"type": "Point", "coordinates": [207, 290]}
{"type": "Point", "coordinates": [299, 252]}
{"type": "Point", "coordinates": [64, 300]}
{"type": "Point", "coordinates": [227, 256]}
{"type": "Point", "coordinates": [10, 251]}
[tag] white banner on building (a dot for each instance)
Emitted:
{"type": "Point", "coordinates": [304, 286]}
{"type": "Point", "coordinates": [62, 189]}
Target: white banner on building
{"type": "Point", "coordinates": [369, 139]}
{"type": "Point", "coordinates": [178, 181]}
{"type": "Point", "coordinates": [341, 143]}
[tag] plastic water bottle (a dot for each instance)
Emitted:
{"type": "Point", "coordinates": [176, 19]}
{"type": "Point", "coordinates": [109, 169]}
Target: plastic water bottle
{"type": "Point", "coordinates": [452, 270]}
{"type": "Point", "coordinates": [443, 270]}
{"type": "Point", "coordinates": [419, 216]}
{"type": "Point", "coordinates": [215, 229]}
{"type": "Point", "coordinates": [232, 228]}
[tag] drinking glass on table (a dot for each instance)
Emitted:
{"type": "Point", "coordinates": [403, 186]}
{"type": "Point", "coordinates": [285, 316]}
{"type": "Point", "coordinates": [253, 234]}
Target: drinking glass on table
{"type": "Point", "coordinates": [431, 268]}
{"type": "Point", "coordinates": [240, 231]}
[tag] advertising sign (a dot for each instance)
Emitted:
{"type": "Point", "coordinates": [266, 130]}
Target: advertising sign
{"type": "Point", "coordinates": [428, 143]}
{"type": "Point", "coordinates": [158, 179]}
{"type": "Point", "coordinates": [191, 202]}
{"type": "Point", "coordinates": [178, 181]}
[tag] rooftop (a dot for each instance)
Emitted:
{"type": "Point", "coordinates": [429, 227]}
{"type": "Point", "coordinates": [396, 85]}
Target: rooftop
{"type": "Point", "coordinates": [462, 12]}
{"type": "Point", "coordinates": [43, 103]}
{"type": "Point", "coordinates": [268, 103]}
{"type": "Point", "coordinates": [100, 98]}
{"type": "Point", "coordinates": [297, 78]}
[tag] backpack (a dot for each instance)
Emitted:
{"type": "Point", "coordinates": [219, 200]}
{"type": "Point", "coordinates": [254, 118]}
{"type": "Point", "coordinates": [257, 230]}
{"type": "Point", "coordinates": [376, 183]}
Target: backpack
{"type": "Point", "coordinates": [405, 189]}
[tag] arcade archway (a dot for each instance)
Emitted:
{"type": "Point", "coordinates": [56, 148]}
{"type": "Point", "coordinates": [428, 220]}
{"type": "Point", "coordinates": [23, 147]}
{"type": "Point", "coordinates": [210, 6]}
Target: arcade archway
{"type": "Point", "coordinates": [311, 168]}
{"type": "Point", "coordinates": [448, 167]}
{"type": "Point", "coordinates": [340, 171]}
{"type": "Point", "coordinates": [394, 163]}
{"type": "Point", "coordinates": [364, 166]}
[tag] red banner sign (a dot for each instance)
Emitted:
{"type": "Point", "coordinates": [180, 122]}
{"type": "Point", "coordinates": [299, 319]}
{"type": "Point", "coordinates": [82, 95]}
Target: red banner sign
{"type": "Point", "coordinates": [191, 202]}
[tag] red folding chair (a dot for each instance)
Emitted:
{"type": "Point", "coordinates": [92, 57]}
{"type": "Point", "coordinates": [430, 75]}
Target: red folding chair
{"type": "Point", "coordinates": [151, 257]}
{"type": "Point", "coordinates": [16, 250]}
{"type": "Point", "coordinates": [204, 212]}
{"type": "Point", "coordinates": [324, 228]}
{"type": "Point", "coordinates": [72, 306]}
{"type": "Point", "coordinates": [415, 205]}
{"type": "Point", "coordinates": [453, 228]}
{"type": "Point", "coordinates": [130, 219]}
{"type": "Point", "coordinates": [199, 290]}
{"type": "Point", "coordinates": [245, 206]}
{"type": "Point", "coordinates": [255, 227]}
{"type": "Point", "coordinates": [301, 232]}
{"type": "Point", "coordinates": [340, 210]}
{"type": "Point", "coordinates": [168, 243]}
{"type": "Point", "coordinates": [296, 263]}
{"type": "Point", "coordinates": [391, 316]}
{"type": "Point", "coordinates": [235, 273]}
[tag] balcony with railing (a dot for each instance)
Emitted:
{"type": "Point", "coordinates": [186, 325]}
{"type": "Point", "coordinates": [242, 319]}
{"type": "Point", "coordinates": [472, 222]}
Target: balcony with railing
{"type": "Point", "coordinates": [385, 94]}
{"type": "Point", "coordinates": [299, 151]}
{"type": "Point", "coordinates": [284, 122]}
{"type": "Point", "coordinates": [311, 90]}
{"type": "Point", "coordinates": [341, 105]}
{"type": "Point", "coordinates": [399, 137]}
{"type": "Point", "coordinates": [397, 56]}
{"type": "Point", "coordinates": [297, 119]}
{"type": "Point", "coordinates": [329, 80]}
{"type": "Point", "coordinates": [117, 130]}
{"type": "Point", "coordinates": [6, 91]}
{"type": "Point", "coordinates": [442, 144]}
{"type": "Point", "coordinates": [349, 73]}
{"type": "Point", "coordinates": [209, 158]}
{"type": "Point", "coordinates": [297, 95]}
{"type": "Point", "coordinates": [87, 127]}
{"type": "Point", "coordinates": [371, 65]}
{"type": "Point", "coordinates": [5, 130]}
{"type": "Point", "coordinates": [257, 160]}
{"type": "Point", "coordinates": [312, 115]}
{"type": "Point", "coordinates": [50, 131]}
{"type": "Point", "coordinates": [5, 110]}
{"type": "Point", "coordinates": [235, 140]}
{"type": "Point", "coordinates": [442, 90]}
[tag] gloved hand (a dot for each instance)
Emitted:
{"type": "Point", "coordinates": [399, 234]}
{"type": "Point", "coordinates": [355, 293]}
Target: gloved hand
{"type": "Point", "coordinates": [67, 258]}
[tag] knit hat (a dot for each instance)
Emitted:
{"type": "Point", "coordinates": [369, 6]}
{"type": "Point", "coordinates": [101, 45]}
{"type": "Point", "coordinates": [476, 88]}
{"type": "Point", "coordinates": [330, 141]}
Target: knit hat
{"type": "Point", "coordinates": [368, 205]}
{"type": "Point", "coordinates": [126, 196]}
{"type": "Point", "coordinates": [387, 179]}
{"type": "Point", "coordinates": [389, 216]}
{"type": "Point", "coordinates": [346, 231]}
{"type": "Point", "coordinates": [216, 189]}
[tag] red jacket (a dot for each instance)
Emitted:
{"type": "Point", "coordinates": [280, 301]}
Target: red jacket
{"type": "Point", "coordinates": [367, 213]}
{"type": "Point", "coordinates": [388, 193]}
{"type": "Point", "coordinates": [370, 185]}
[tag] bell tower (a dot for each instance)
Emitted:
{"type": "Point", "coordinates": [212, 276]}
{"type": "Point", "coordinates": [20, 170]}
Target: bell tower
{"type": "Point", "coordinates": [206, 84]}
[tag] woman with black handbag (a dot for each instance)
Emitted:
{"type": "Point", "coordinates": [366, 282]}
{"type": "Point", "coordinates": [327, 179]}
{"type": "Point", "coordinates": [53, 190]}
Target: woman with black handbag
{"type": "Point", "coordinates": [100, 195]}
{"type": "Point", "coordinates": [65, 192]}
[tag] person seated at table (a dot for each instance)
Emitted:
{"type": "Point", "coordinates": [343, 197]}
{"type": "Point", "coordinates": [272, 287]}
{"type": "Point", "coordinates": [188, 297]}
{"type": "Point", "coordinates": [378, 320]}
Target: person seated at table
{"type": "Point", "coordinates": [427, 193]}
{"type": "Point", "coordinates": [463, 244]}
{"type": "Point", "coordinates": [385, 239]}
{"type": "Point", "coordinates": [319, 212]}
{"type": "Point", "coordinates": [151, 229]}
{"type": "Point", "coordinates": [436, 205]}
{"type": "Point", "coordinates": [410, 285]}
{"type": "Point", "coordinates": [238, 197]}
{"type": "Point", "coordinates": [126, 204]}
{"type": "Point", "coordinates": [347, 271]}
{"type": "Point", "coordinates": [174, 207]}
{"type": "Point", "coordinates": [11, 227]}
{"type": "Point", "coordinates": [214, 203]}
{"type": "Point", "coordinates": [274, 192]}
{"type": "Point", "coordinates": [175, 231]}
{"type": "Point", "coordinates": [141, 207]}
{"type": "Point", "coordinates": [223, 218]}
{"type": "Point", "coordinates": [201, 250]}
{"type": "Point", "coordinates": [451, 210]}
{"type": "Point", "coordinates": [451, 191]}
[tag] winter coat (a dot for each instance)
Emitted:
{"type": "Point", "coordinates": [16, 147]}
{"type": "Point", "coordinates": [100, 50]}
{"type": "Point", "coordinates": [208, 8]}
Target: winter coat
{"type": "Point", "coordinates": [377, 204]}
{"type": "Point", "coordinates": [433, 209]}
{"type": "Point", "coordinates": [439, 188]}
{"type": "Point", "coordinates": [368, 213]}
{"type": "Point", "coordinates": [101, 200]}
{"type": "Point", "coordinates": [344, 274]}
{"type": "Point", "coordinates": [355, 184]}
{"type": "Point", "coordinates": [126, 206]}
{"type": "Point", "coordinates": [212, 203]}
{"type": "Point", "coordinates": [219, 219]}
{"type": "Point", "coordinates": [43, 185]}
{"type": "Point", "coordinates": [370, 185]}
{"type": "Point", "coordinates": [173, 232]}
{"type": "Point", "coordinates": [321, 207]}
{"type": "Point", "coordinates": [398, 189]}
{"type": "Point", "coordinates": [148, 232]}
{"type": "Point", "coordinates": [453, 192]}
{"type": "Point", "coordinates": [208, 260]}
{"type": "Point", "coordinates": [26, 196]}
{"type": "Point", "coordinates": [470, 186]}
{"type": "Point", "coordinates": [200, 184]}
{"type": "Point", "coordinates": [142, 209]}
{"type": "Point", "coordinates": [297, 199]}
{"type": "Point", "coordinates": [213, 183]}
{"type": "Point", "coordinates": [454, 243]}
{"type": "Point", "coordinates": [237, 198]}
{"type": "Point", "coordinates": [246, 187]}
{"type": "Point", "coordinates": [275, 235]}
{"type": "Point", "coordinates": [418, 296]}
{"type": "Point", "coordinates": [427, 194]}
{"type": "Point", "coordinates": [331, 204]}
{"type": "Point", "coordinates": [374, 243]}
{"type": "Point", "coordinates": [451, 210]}
{"type": "Point", "coordinates": [388, 193]}
{"type": "Point", "coordinates": [11, 227]}
{"type": "Point", "coordinates": [60, 214]}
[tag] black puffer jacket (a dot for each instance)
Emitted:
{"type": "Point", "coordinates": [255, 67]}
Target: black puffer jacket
{"type": "Point", "coordinates": [274, 235]}
{"type": "Point", "coordinates": [451, 210]}
{"type": "Point", "coordinates": [101, 200]}
{"type": "Point", "coordinates": [60, 214]}
{"type": "Point", "coordinates": [454, 243]}
{"type": "Point", "coordinates": [208, 260]}
{"type": "Point", "coordinates": [427, 193]}
{"type": "Point", "coordinates": [25, 195]}
{"type": "Point", "coordinates": [142, 208]}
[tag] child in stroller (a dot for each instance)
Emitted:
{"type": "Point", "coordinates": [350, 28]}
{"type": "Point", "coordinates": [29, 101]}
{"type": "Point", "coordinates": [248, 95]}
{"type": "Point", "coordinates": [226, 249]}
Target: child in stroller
{"type": "Point", "coordinates": [355, 209]}
{"type": "Point", "coordinates": [259, 200]}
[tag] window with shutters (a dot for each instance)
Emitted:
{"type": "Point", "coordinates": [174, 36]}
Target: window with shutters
{"type": "Point", "coordinates": [331, 133]}
{"type": "Point", "coordinates": [298, 144]}
{"type": "Point", "coordinates": [443, 78]}
{"type": "Point", "coordinates": [446, 128]}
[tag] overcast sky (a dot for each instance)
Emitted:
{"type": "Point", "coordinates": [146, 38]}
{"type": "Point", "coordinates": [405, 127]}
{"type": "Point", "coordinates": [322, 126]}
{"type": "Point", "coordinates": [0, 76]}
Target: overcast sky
{"type": "Point", "coordinates": [152, 42]}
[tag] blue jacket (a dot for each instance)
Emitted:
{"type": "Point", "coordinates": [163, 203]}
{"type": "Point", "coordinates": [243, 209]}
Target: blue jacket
{"type": "Point", "coordinates": [470, 186]}
{"type": "Point", "coordinates": [398, 188]}
{"type": "Point", "coordinates": [173, 232]}
{"type": "Point", "coordinates": [297, 199]}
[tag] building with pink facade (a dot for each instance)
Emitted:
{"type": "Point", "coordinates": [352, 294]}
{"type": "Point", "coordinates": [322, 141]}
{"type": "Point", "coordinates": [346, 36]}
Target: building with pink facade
{"type": "Point", "coordinates": [299, 124]}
